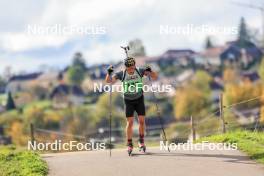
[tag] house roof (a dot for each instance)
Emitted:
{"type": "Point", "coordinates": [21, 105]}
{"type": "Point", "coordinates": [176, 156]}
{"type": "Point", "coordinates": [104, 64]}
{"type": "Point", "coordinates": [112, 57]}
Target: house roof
{"type": "Point", "coordinates": [25, 77]}
{"type": "Point", "coordinates": [232, 52]}
{"type": "Point", "coordinates": [177, 53]}
{"type": "Point", "coordinates": [67, 89]}
{"type": "Point", "coordinates": [252, 76]}
{"type": "Point", "coordinates": [234, 49]}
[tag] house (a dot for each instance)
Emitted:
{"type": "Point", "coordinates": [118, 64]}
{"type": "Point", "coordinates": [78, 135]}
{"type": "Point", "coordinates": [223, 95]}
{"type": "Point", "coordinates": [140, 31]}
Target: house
{"type": "Point", "coordinates": [47, 79]}
{"type": "Point", "coordinates": [97, 71]}
{"type": "Point", "coordinates": [250, 76]}
{"type": "Point", "coordinates": [21, 82]}
{"type": "Point", "coordinates": [25, 81]}
{"type": "Point", "coordinates": [210, 56]}
{"type": "Point", "coordinates": [243, 57]}
{"type": "Point", "coordinates": [64, 96]}
{"type": "Point", "coordinates": [185, 76]}
{"type": "Point", "coordinates": [176, 57]}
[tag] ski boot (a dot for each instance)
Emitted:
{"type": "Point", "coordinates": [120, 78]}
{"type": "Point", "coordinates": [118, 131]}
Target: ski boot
{"type": "Point", "coordinates": [142, 147]}
{"type": "Point", "coordinates": [129, 149]}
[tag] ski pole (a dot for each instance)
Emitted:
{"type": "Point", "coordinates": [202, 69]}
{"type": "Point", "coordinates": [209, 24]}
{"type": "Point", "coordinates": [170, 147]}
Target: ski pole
{"type": "Point", "coordinates": [110, 117]}
{"type": "Point", "coordinates": [159, 114]}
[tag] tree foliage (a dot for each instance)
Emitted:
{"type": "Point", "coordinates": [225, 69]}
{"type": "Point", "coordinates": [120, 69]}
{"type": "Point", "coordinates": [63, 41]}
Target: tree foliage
{"type": "Point", "coordinates": [195, 97]}
{"type": "Point", "coordinates": [76, 72]}
{"type": "Point", "coordinates": [261, 70]}
{"type": "Point", "coordinates": [243, 35]}
{"type": "Point", "coordinates": [242, 91]}
{"type": "Point", "coordinates": [76, 75]}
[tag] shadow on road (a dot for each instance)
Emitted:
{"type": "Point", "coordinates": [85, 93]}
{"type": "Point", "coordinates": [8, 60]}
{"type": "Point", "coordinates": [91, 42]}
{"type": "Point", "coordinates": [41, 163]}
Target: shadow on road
{"type": "Point", "coordinates": [229, 158]}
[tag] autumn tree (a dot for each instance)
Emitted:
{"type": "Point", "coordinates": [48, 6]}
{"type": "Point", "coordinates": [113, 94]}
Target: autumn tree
{"type": "Point", "coordinates": [193, 98]}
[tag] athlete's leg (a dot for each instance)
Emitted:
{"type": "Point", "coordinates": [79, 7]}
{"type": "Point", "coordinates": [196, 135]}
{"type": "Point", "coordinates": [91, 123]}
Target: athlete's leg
{"type": "Point", "coordinates": [129, 127]}
{"type": "Point", "coordinates": [141, 121]}
{"type": "Point", "coordinates": [140, 109]}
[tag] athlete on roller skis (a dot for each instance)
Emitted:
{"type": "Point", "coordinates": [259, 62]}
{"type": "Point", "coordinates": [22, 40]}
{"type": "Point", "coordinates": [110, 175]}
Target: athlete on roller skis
{"type": "Point", "coordinates": [131, 78]}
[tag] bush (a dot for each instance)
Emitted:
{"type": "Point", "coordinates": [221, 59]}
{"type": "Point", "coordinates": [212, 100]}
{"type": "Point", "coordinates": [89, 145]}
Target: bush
{"type": "Point", "coordinates": [23, 163]}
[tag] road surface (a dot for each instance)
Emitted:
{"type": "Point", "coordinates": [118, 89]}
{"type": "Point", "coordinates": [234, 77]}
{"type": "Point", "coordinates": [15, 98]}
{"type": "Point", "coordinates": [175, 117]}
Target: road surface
{"type": "Point", "coordinates": [153, 163]}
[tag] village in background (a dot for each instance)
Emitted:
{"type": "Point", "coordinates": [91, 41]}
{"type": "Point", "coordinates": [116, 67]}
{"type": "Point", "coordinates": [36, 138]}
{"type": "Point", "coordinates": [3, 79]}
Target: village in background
{"type": "Point", "coordinates": [62, 104]}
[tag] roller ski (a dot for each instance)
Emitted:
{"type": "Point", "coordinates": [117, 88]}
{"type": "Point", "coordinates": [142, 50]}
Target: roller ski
{"type": "Point", "coordinates": [129, 149]}
{"type": "Point", "coordinates": [142, 147]}
{"type": "Point", "coordinates": [141, 144]}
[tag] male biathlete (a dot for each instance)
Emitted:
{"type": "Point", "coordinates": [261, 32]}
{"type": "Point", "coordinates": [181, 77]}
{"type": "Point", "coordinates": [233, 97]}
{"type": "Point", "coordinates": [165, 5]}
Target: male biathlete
{"type": "Point", "coordinates": [131, 78]}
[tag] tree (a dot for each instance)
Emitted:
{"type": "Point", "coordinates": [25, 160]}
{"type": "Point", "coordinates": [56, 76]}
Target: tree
{"type": "Point", "coordinates": [230, 76]}
{"type": "Point", "coordinates": [76, 72]}
{"type": "Point", "coordinates": [2, 82]}
{"type": "Point", "coordinates": [208, 43]}
{"type": "Point", "coordinates": [238, 92]}
{"type": "Point", "coordinates": [76, 75]}
{"type": "Point", "coordinates": [261, 70]}
{"type": "Point", "coordinates": [79, 61]}
{"type": "Point", "coordinates": [10, 105]}
{"type": "Point", "coordinates": [243, 35]}
{"type": "Point", "coordinates": [190, 101]}
{"type": "Point", "coordinates": [201, 81]}
{"type": "Point", "coordinates": [262, 114]}
{"type": "Point", "coordinates": [194, 98]}
{"type": "Point", "coordinates": [102, 111]}
{"type": "Point", "coordinates": [136, 48]}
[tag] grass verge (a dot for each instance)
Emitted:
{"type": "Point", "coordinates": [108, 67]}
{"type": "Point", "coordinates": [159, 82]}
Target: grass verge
{"type": "Point", "coordinates": [21, 163]}
{"type": "Point", "coordinates": [252, 143]}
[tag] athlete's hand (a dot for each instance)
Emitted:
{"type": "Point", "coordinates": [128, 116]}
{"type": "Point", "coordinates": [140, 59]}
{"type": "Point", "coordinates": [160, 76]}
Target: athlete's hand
{"type": "Point", "coordinates": [110, 69]}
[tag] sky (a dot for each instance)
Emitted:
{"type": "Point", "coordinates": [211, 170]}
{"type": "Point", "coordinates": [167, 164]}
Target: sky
{"type": "Point", "coordinates": [109, 24]}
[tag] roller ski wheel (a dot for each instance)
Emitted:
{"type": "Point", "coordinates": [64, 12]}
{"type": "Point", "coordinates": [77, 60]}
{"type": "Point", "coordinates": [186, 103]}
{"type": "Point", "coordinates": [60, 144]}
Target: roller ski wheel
{"type": "Point", "coordinates": [129, 150]}
{"type": "Point", "coordinates": [142, 147]}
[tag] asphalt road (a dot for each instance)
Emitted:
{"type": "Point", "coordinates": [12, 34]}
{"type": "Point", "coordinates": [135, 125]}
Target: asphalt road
{"type": "Point", "coordinates": [153, 163]}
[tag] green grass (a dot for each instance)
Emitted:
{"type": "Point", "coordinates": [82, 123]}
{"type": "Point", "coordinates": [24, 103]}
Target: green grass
{"type": "Point", "coordinates": [21, 163]}
{"type": "Point", "coordinates": [252, 143]}
{"type": "Point", "coordinates": [3, 99]}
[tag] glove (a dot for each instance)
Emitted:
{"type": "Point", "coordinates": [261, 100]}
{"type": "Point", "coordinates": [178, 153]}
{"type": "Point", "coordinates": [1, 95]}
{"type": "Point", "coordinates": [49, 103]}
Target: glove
{"type": "Point", "coordinates": [148, 68]}
{"type": "Point", "coordinates": [110, 69]}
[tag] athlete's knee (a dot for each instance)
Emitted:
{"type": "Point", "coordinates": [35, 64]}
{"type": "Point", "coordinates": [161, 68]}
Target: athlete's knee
{"type": "Point", "coordinates": [129, 123]}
